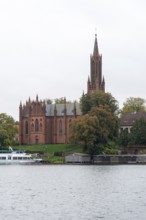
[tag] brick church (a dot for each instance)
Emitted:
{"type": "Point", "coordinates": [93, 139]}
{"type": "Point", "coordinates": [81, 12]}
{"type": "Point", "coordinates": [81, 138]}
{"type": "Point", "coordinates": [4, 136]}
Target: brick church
{"type": "Point", "coordinates": [42, 123]}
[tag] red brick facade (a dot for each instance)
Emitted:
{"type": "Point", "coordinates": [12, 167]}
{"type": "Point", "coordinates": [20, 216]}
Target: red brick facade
{"type": "Point", "coordinates": [42, 123]}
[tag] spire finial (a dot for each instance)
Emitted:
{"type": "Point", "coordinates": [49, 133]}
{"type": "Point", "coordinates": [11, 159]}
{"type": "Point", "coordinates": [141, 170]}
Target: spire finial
{"type": "Point", "coordinates": [37, 98]}
{"type": "Point", "coordinates": [95, 51]}
{"type": "Point", "coordinates": [95, 32]}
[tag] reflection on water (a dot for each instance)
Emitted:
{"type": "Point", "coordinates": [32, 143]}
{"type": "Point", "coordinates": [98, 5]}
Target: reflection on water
{"type": "Point", "coordinates": [56, 192]}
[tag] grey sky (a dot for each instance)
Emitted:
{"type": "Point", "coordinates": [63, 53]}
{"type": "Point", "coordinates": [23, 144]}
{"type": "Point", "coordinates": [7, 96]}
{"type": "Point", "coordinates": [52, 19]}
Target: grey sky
{"type": "Point", "coordinates": [45, 48]}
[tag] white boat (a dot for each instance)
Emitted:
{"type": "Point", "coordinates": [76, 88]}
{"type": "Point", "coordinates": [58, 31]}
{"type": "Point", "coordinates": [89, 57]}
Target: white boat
{"type": "Point", "coordinates": [17, 157]}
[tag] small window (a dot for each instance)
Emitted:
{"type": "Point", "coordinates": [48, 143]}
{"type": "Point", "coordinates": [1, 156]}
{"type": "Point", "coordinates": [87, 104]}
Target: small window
{"type": "Point", "coordinates": [19, 158]}
{"type": "Point", "coordinates": [3, 158]}
{"type": "Point", "coordinates": [14, 158]}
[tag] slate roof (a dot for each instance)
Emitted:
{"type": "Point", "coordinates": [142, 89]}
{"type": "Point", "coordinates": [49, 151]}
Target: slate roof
{"type": "Point", "coordinates": [60, 109]}
{"type": "Point", "coordinates": [130, 117]}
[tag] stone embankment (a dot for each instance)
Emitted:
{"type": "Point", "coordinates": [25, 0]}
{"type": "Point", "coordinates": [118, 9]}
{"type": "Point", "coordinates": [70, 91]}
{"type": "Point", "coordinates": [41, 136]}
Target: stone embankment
{"type": "Point", "coordinates": [105, 159]}
{"type": "Point", "coordinates": [119, 159]}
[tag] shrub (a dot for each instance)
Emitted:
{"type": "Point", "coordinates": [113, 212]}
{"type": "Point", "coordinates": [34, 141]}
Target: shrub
{"type": "Point", "coordinates": [58, 153]}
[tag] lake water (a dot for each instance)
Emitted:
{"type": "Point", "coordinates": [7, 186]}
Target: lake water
{"type": "Point", "coordinates": [72, 192]}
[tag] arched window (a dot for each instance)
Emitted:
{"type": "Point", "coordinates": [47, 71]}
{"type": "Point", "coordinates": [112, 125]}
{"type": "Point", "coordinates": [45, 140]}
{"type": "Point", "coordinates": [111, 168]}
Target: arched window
{"type": "Point", "coordinates": [26, 127]}
{"type": "Point", "coordinates": [60, 127]}
{"type": "Point", "coordinates": [36, 125]}
{"type": "Point", "coordinates": [40, 126]}
{"type": "Point", "coordinates": [32, 127]}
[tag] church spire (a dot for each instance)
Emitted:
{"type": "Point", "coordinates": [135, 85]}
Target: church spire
{"type": "Point", "coordinates": [95, 81]}
{"type": "Point", "coordinates": [95, 51]}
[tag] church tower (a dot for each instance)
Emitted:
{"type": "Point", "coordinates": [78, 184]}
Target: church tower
{"type": "Point", "coordinates": [95, 81]}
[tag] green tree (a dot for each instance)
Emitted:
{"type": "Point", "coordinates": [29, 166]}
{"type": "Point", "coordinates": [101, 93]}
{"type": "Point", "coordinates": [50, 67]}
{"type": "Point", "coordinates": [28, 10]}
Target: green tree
{"type": "Point", "coordinates": [96, 99]}
{"type": "Point", "coordinates": [61, 100]}
{"type": "Point", "coordinates": [48, 101]}
{"type": "Point", "coordinates": [124, 138]}
{"type": "Point", "coordinates": [83, 130]}
{"type": "Point", "coordinates": [85, 103]}
{"type": "Point", "coordinates": [108, 123]}
{"type": "Point", "coordinates": [7, 129]}
{"type": "Point", "coordinates": [4, 138]}
{"type": "Point", "coordinates": [138, 132]}
{"type": "Point", "coordinates": [95, 129]}
{"type": "Point", "coordinates": [133, 105]}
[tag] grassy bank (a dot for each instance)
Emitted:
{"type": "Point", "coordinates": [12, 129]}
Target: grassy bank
{"type": "Point", "coordinates": [51, 153]}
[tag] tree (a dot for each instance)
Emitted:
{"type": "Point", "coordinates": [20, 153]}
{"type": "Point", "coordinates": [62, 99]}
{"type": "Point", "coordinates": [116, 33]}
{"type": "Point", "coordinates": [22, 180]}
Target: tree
{"type": "Point", "coordinates": [98, 98]}
{"type": "Point", "coordinates": [85, 103]}
{"type": "Point", "coordinates": [99, 123]}
{"type": "Point", "coordinates": [124, 138]}
{"type": "Point", "coordinates": [138, 132]}
{"type": "Point", "coordinates": [61, 100]}
{"type": "Point", "coordinates": [83, 130]}
{"type": "Point", "coordinates": [48, 101]}
{"type": "Point", "coordinates": [4, 138]}
{"type": "Point", "coordinates": [133, 105]}
{"type": "Point", "coordinates": [95, 129]}
{"type": "Point", "coordinates": [7, 129]}
{"type": "Point", "coordinates": [108, 123]}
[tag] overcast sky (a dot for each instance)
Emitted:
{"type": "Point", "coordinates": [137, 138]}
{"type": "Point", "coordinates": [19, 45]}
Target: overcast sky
{"type": "Point", "coordinates": [45, 48]}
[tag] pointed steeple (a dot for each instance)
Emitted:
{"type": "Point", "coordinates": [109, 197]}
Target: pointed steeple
{"type": "Point", "coordinates": [95, 80]}
{"type": "Point", "coordinates": [20, 104]}
{"type": "Point", "coordinates": [95, 52]}
{"type": "Point", "coordinates": [37, 98]}
{"type": "Point", "coordinates": [29, 101]}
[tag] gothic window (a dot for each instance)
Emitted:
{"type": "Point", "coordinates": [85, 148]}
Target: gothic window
{"type": "Point", "coordinates": [60, 127]}
{"type": "Point", "coordinates": [36, 125]}
{"type": "Point", "coordinates": [40, 126]}
{"type": "Point", "coordinates": [32, 127]}
{"type": "Point", "coordinates": [26, 127]}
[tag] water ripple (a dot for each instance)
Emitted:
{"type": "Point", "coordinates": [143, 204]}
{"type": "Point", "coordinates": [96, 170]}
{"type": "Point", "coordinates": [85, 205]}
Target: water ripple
{"type": "Point", "coordinates": [72, 192]}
